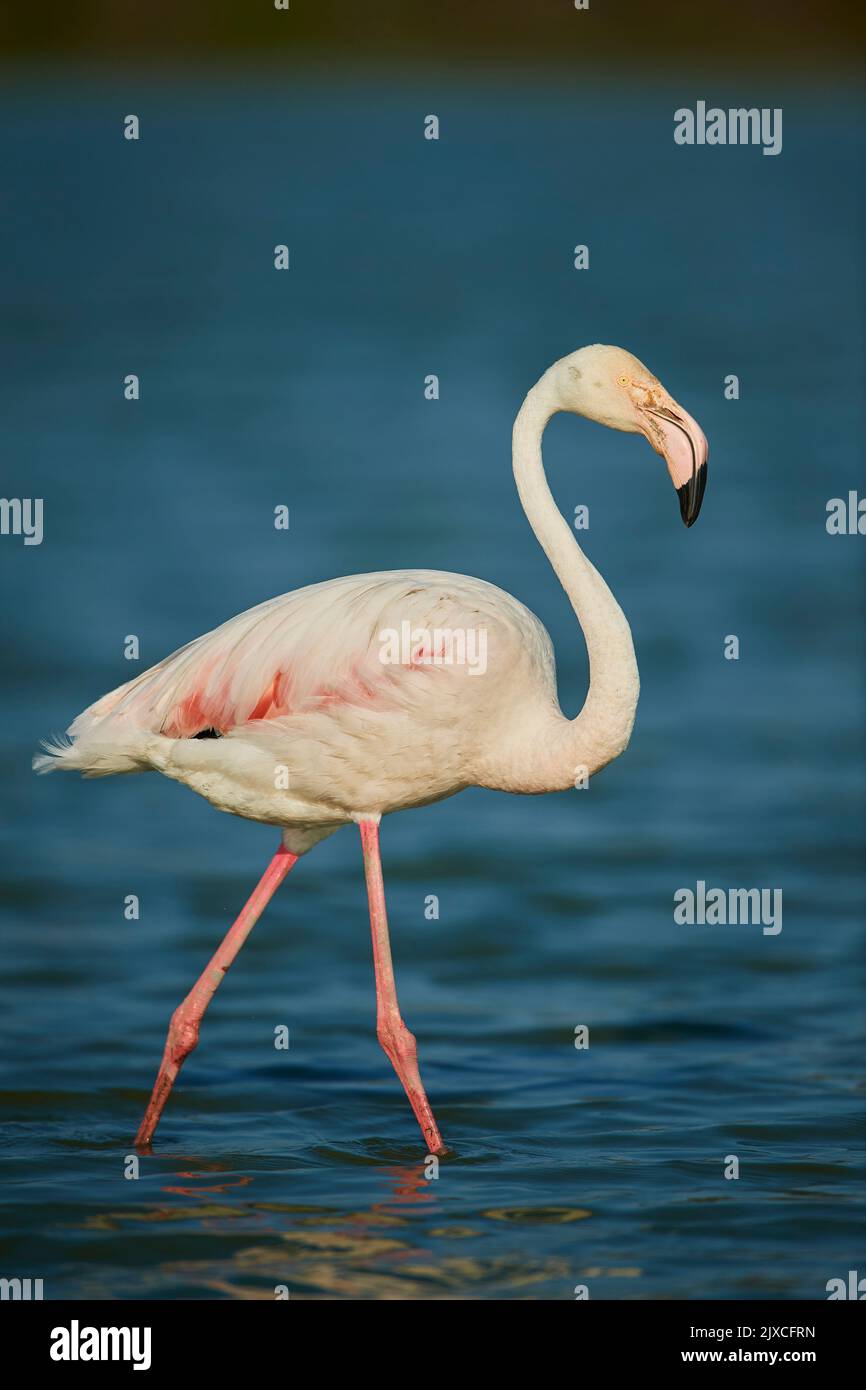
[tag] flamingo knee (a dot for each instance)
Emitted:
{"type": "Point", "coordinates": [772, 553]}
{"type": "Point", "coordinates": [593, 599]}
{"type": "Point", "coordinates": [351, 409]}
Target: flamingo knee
{"type": "Point", "coordinates": [398, 1044]}
{"type": "Point", "coordinates": [183, 1033]}
{"type": "Point", "coordinates": [183, 1028]}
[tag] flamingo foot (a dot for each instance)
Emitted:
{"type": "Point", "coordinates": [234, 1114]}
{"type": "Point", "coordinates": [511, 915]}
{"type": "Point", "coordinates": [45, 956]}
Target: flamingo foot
{"type": "Point", "coordinates": [400, 1047]}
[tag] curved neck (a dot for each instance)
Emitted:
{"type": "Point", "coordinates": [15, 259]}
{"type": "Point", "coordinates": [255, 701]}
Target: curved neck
{"type": "Point", "coordinates": [601, 731]}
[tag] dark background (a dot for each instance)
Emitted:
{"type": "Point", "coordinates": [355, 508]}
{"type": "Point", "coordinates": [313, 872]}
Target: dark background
{"type": "Point", "coordinates": [790, 38]}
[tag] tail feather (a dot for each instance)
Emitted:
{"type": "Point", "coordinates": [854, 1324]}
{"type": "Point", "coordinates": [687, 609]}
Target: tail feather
{"type": "Point", "coordinates": [93, 756]}
{"type": "Point", "coordinates": [56, 750]}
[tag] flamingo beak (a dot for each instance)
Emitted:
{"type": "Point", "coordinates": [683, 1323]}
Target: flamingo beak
{"type": "Point", "coordinates": [683, 446]}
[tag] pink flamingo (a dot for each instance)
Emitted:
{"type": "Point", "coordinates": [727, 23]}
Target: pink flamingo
{"type": "Point", "coordinates": [356, 697]}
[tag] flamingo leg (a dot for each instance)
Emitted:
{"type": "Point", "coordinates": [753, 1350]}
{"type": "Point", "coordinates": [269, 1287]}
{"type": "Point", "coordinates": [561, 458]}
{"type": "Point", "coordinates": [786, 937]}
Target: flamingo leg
{"type": "Point", "coordinates": [398, 1043]}
{"type": "Point", "coordinates": [184, 1025]}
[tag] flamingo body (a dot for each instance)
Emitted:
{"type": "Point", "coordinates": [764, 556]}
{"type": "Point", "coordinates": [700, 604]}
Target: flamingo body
{"type": "Point", "coordinates": [360, 696]}
{"type": "Point", "coordinates": [288, 713]}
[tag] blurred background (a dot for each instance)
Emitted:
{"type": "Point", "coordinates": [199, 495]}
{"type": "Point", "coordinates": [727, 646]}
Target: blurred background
{"type": "Point", "coordinates": [454, 257]}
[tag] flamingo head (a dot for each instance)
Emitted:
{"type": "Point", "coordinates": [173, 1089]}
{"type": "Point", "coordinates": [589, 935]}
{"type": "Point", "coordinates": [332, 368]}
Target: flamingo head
{"type": "Point", "coordinates": [611, 386]}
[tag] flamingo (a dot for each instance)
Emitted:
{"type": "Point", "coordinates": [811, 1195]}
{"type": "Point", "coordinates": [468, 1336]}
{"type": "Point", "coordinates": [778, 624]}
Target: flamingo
{"type": "Point", "coordinates": [303, 712]}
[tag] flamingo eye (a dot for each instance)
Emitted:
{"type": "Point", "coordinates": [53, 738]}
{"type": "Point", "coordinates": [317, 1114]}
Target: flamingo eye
{"type": "Point", "coordinates": [623, 381]}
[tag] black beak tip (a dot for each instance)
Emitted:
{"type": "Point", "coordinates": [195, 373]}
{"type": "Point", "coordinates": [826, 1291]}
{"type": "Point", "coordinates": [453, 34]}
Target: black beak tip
{"type": "Point", "coordinates": [691, 495]}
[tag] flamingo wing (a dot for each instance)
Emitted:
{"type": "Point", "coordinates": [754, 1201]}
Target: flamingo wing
{"type": "Point", "coordinates": [307, 651]}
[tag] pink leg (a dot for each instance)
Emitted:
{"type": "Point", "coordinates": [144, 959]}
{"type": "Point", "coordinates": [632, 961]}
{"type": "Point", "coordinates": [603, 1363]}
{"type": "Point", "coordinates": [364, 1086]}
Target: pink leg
{"type": "Point", "coordinates": [391, 1031]}
{"type": "Point", "coordinates": [183, 1029]}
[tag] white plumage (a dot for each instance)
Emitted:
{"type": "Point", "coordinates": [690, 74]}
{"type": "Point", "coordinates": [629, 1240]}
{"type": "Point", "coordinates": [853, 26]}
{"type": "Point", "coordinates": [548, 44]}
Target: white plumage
{"type": "Point", "coordinates": [316, 729]}
{"type": "Point", "coordinates": [356, 697]}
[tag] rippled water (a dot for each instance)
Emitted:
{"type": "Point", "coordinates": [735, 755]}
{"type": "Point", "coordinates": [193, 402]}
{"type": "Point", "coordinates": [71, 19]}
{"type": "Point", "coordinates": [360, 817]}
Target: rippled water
{"type": "Point", "coordinates": [604, 1166]}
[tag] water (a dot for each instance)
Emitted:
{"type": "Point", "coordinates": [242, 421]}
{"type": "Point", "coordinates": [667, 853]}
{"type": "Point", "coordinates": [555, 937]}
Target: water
{"type": "Point", "coordinates": [603, 1167]}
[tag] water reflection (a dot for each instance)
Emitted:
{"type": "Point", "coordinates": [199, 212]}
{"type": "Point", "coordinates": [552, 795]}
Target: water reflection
{"type": "Point", "coordinates": [382, 1251]}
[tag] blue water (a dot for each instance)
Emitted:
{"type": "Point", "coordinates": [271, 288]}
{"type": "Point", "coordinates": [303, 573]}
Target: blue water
{"type": "Point", "coordinates": [603, 1167]}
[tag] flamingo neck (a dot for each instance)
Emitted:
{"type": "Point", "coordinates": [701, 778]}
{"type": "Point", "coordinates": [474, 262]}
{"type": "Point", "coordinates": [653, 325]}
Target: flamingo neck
{"type": "Point", "coordinates": [602, 729]}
